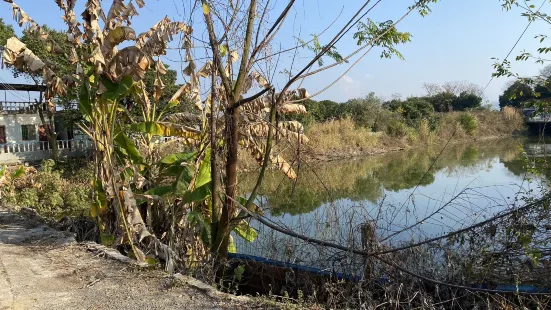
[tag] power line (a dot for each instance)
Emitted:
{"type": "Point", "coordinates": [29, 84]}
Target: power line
{"type": "Point", "coordinates": [11, 90]}
{"type": "Point", "coordinates": [515, 45]}
{"type": "Point", "coordinates": [455, 131]}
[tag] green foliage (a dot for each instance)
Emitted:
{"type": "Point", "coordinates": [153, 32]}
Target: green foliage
{"type": "Point", "coordinates": [468, 123]}
{"type": "Point", "coordinates": [6, 32]}
{"type": "Point", "coordinates": [57, 61]}
{"type": "Point", "coordinates": [368, 112]}
{"type": "Point", "coordinates": [18, 173]}
{"type": "Point", "coordinates": [245, 231]}
{"type": "Point", "coordinates": [316, 47]}
{"type": "Point", "coordinates": [369, 33]}
{"type": "Point", "coordinates": [126, 148]}
{"type": "Point", "coordinates": [396, 128]}
{"type": "Point", "coordinates": [413, 110]}
{"type": "Point", "coordinates": [443, 101]}
{"type": "Point", "coordinates": [516, 94]}
{"type": "Point", "coordinates": [467, 101]}
{"type": "Point", "coordinates": [50, 193]}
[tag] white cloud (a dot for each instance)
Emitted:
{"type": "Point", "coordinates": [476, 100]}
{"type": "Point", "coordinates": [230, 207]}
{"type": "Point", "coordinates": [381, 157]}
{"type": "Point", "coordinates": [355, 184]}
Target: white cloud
{"type": "Point", "coordinates": [350, 87]}
{"type": "Point", "coordinates": [348, 80]}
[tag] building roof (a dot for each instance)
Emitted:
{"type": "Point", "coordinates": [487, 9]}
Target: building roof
{"type": "Point", "coordinates": [22, 87]}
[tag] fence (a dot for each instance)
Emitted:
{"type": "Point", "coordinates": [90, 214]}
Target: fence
{"type": "Point", "coordinates": [11, 153]}
{"type": "Point", "coordinates": [17, 107]}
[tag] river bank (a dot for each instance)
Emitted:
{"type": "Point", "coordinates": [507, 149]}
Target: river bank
{"type": "Point", "coordinates": [342, 139]}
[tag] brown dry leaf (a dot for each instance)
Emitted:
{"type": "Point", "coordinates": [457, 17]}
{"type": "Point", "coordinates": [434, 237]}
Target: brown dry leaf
{"type": "Point", "coordinates": [190, 69]}
{"type": "Point", "coordinates": [234, 56]}
{"type": "Point", "coordinates": [140, 3]}
{"type": "Point", "coordinates": [195, 96]}
{"type": "Point", "coordinates": [154, 41]}
{"type": "Point", "coordinates": [119, 35]}
{"type": "Point", "coordinates": [293, 109]}
{"type": "Point", "coordinates": [262, 82]}
{"type": "Point", "coordinates": [291, 125]}
{"type": "Point", "coordinates": [18, 55]}
{"type": "Point", "coordinates": [74, 34]}
{"type": "Point", "coordinates": [98, 59]}
{"type": "Point", "coordinates": [205, 70]}
{"type": "Point", "coordinates": [73, 58]}
{"type": "Point", "coordinates": [255, 76]}
{"type": "Point", "coordinates": [184, 90]}
{"type": "Point", "coordinates": [302, 93]}
{"type": "Point", "coordinates": [130, 61]}
{"type": "Point", "coordinates": [12, 49]}
{"type": "Point", "coordinates": [159, 86]}
{"type": "Point", "coordinates": [256, 152]}
{"type": "Point", "coordinates": [258, 105]}
{"type": "Point", "coordinates": [291, 130]}
{"type": "Point", "coordinates": [19, 15]}
{"type": "Point", "coordinates": [79, 69]}
{"type": "Point", "coordinates": [184, 118]}
{"type": "Point", "coordinates": [119, 13]}
{"type": "Point", "coordinates": [161, 69]}
{"type": "Point", "coordinates": [284, 166]}
{"type": "Point", "coordinates": [22, 18]}
{"type": "Point", "coordinates": [91, 15]}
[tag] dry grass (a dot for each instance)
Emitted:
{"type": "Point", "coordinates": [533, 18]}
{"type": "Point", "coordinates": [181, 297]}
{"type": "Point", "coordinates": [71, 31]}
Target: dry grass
{"type": "Point", "coordinates": [340, 136]}
{"type": "Point", "coordinates": [343, 137]}
{"type": "Point", "coordinates": [512, 114]}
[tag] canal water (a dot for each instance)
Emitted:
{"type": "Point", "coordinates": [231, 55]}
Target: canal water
{"type": "Point", "coordinates": [403, 196]}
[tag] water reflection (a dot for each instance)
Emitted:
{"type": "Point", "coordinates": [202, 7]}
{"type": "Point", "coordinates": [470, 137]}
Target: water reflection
{"type": "Point", "coordinates": [404, 196]}
{"type": "Point", "coordinates": [370, 179]}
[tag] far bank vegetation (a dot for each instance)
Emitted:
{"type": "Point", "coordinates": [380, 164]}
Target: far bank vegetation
{"type": "Point", "coordinates": [371, 125]}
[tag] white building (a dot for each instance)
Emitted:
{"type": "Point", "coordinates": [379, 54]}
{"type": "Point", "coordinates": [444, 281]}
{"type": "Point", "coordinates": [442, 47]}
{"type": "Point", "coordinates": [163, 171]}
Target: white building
{"type": "Point", "coordinates": [23, 135]}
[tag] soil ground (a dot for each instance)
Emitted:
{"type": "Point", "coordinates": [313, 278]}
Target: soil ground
{"type": "Point", "coordinates": [41, 268]}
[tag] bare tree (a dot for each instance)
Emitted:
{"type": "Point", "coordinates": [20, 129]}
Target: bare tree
{"type": "Point", "coordinates": [453, 87]}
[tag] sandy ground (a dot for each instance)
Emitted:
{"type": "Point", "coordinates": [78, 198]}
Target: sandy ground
{"type": "Point", "coordinates": [41, 268]}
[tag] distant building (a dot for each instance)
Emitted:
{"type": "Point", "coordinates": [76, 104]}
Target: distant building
{"type": "Point", "coordinates": [23, 135]}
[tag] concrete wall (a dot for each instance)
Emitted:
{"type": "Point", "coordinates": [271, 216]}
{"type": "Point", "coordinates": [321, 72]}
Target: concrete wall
{"type": "Point", "coordinates": [23, 157]}
{"type": "Point", "coordinates": [13, 124]}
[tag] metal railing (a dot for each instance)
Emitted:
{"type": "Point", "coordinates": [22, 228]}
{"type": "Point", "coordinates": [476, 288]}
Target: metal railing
{"type": "Point", "coordinates": [19, 107]}
{"type": "Point", "coordinates": [37, 146]}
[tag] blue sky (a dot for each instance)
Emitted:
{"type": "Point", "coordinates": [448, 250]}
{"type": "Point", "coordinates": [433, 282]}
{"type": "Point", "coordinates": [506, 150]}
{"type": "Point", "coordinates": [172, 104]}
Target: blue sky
{"type": "Point", "coordinates": [455, 42]}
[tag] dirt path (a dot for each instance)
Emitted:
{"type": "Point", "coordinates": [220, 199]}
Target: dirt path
{"type": "Point", "coordinates": [43, 269]}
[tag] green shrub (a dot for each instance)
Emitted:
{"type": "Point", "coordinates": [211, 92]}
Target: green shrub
{"type": "Point", "coordinates": [396, 128]}
{"type": "Point", "coordinates": [27, 197]}
{"type": "Point", "coordinates": [414, 110]}
{"type": "Point", "coordinates": [47, 165]}
{"type": "Point", "coordinates": [52, 192]}
{"type": "Point", "coordinates": [78, 198]}
{"type": "Point", "coordinates": [468, 123]}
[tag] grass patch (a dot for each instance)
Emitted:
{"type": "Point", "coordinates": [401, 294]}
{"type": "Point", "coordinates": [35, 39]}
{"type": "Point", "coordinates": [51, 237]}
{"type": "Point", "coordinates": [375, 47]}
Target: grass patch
{"type": "Point", "coordinates": [340, 136]}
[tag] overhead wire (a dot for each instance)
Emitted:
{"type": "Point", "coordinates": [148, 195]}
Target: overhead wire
{"type": "Point", "coordinates": [11, 90]}
{"type": "Point", "coordinates": [515, 45]}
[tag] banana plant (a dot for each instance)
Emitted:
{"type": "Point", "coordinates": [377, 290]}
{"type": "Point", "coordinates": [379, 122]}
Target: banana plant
{"type": "Point", "coordinates": [105, 75]}
{"type": "Point", "coordinates": [111, 61]}
{"type": "Point", "coordinates": [191, 183]}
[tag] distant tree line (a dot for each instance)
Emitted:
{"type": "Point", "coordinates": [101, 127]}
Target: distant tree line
{"type": "Point", "coordinates": [396, 115]}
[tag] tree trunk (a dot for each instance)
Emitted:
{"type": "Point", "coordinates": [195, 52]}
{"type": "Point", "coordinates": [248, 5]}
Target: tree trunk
{"type": "Point", "coordinates": [215, 189]}
{"type": "Point", "coordinates": [221, 242]}
{"type": "Point", "coordinates": [49, 125]}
